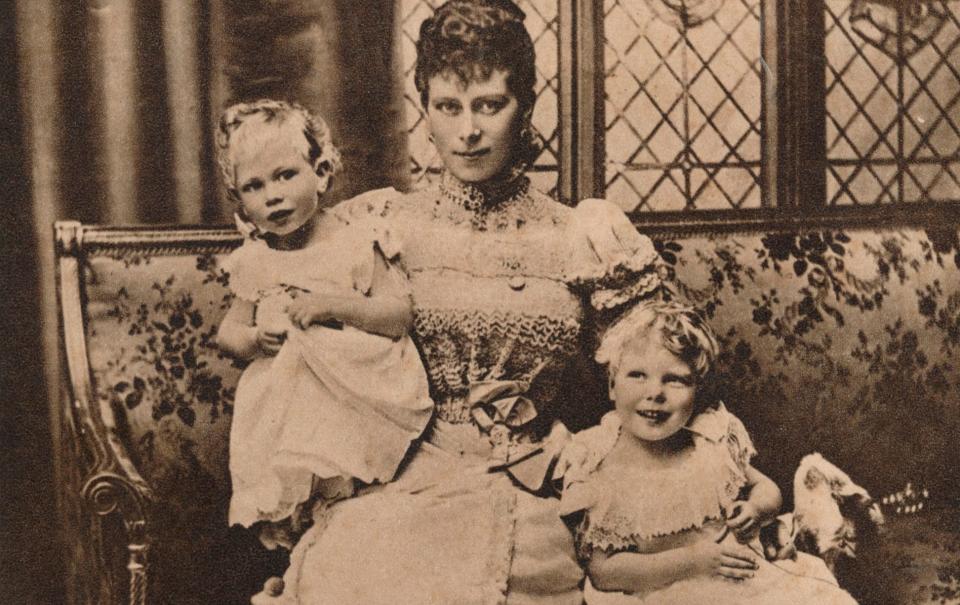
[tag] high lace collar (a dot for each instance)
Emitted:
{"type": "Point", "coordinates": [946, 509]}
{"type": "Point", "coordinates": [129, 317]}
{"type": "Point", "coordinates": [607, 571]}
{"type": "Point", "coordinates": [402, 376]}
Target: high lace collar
{"type": "Point", "coordinates": [492, 197]}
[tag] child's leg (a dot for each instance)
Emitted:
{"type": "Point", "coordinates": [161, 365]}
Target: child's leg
{"type": "Point", "coordinates": [333, 488]}
{"type": "Point", "coordinates": [271, 594]}
{"type": "Point", "coordinates": [277, 533]}
{"type": "Point", "coordinates": [324, 492]}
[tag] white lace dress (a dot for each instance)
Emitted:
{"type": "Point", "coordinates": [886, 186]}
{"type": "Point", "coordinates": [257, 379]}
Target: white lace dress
{"type": "Point", "coordinates": [631, 509]}
{"type": "Point", "coordinates": [504, 290]}
{"type": "Point", "coordinates": [332, 402]}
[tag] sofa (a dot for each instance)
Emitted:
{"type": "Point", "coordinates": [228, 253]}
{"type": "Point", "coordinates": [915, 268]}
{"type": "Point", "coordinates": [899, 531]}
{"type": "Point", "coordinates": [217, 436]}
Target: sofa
{"type": "Point", "coordinates": [836, 339]}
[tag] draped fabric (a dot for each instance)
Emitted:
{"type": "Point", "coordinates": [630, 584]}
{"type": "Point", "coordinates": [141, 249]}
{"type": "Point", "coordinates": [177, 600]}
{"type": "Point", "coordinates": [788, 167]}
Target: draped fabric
{"type": "Point", "coordinates": [110, 107]}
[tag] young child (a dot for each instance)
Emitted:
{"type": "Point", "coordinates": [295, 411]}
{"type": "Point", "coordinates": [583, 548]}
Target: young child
{"type": "Point", "coordinates": [671, 503]}
{"type": "Point", "coordinates": [335, 390]}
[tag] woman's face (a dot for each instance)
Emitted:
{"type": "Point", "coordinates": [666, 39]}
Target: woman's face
{"type": "Point", "coordinates": [474, 124]}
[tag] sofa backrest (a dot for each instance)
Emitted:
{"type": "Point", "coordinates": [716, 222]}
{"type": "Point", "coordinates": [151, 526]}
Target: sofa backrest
{"type": "Point", "coordinates": [839, 341]}
{"type": "Point", "coordinates": [843, 341]}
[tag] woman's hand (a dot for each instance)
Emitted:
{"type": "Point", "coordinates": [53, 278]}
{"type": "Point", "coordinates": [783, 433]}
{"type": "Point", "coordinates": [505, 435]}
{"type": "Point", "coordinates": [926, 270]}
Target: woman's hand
{"type": "Point", "coordinates": [727, 560]}
{"type": "Point", "coordinates": [744, 519]}
{"type": "Point", "coordinates": [269, 341]}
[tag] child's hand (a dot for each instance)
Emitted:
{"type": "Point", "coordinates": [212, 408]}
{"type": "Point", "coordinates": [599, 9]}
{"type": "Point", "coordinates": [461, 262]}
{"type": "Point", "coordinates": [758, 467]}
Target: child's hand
{"type": "Point", "coordinates": [744, 519]}
{"type": "Point", "coordinates": [727, 560]}
{"type": "Point", "coordinates": [309, 309]}
{"type": "Point", "coordinates": [778, 538]}
{"type": "Point", "coordinates": [269, 340]}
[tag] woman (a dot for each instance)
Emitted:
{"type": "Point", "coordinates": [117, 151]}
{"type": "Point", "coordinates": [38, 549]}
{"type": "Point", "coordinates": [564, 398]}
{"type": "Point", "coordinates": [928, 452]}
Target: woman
{"type": "Point", "coordinates": [503, 281]}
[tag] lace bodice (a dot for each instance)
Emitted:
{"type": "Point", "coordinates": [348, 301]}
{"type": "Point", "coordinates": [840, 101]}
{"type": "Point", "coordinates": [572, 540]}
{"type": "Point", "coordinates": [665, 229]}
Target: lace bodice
{"type": "Point", "coordinates": [342, 257]}
{"type": "Point", "coordinates": [502, 289]}
{"type": "Point", "coordinates": [640, 509]}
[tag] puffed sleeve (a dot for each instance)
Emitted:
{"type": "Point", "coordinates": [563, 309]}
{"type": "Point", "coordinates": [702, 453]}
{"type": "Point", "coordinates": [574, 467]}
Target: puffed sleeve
{"type": "Point", "coordinates": [613, 264]}
{"type": "Point", "coordinates": [584, 453]}
{"type": "Point", "coordinates": [368, 207]}
{"type": "Point", "coordinates": [378, 269]}
{"type": "Point", "coordinates": [719, 426]}
{"type": "Point", "coordinates": [739, 443]}
{"type": "Point", "coordinates": [242, 271]}
{"type": "Point", "coordinates": [379, 264]}
{"type": "Point", "coordinates": [600, 527]}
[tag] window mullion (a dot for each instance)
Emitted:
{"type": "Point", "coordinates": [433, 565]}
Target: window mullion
{"type": "Point", "coordinates": [769, 108]}
{"type": "Point", "coordinates": [796, 162]}
{"type": "Point", "coordinates": [581, 100]}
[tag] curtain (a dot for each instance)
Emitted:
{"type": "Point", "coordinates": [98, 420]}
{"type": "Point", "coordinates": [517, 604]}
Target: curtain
{"type": "Point", "coordinates": [110, 107]}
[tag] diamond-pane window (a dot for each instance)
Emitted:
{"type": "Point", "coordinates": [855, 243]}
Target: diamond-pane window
{"type": "Point", "coordinates": [892, 101]}
{"type": "Point", "coordinates": [682, 104]}
{"type": "Point", "coordinates": [543, 25]}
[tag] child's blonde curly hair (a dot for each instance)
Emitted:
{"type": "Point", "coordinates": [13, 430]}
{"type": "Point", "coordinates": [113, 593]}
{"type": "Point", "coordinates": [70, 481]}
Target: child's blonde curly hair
{"type": "Point", "coordinates": [682, 331]}
{"type": "Point", "coordinates": [234, 129]}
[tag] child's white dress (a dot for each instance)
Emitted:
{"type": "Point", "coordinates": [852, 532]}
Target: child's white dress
{"type": "Point", "coordinates": [630, 509]}
{"type": "Point", "coordinates": [333, 402]}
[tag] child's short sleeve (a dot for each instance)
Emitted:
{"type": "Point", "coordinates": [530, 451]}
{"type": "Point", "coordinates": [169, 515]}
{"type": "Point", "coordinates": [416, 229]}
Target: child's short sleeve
{"type": "Point", "coordinates": [379, 262]}
{"type": "Point", "coordinates": [739, 443]}
{"type": "Point", "coordinates": [584, 492]}
{"type": "Point", "coordinates": [377, 241]}
{"type": "Point", "coordinates": [242, 272]}
{"type": "Point", "coordinates": [368, 207]}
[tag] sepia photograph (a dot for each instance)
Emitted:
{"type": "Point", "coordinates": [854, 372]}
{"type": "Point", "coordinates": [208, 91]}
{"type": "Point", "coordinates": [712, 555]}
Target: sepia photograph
{"type": "Point", "coordinates": [480, 302]}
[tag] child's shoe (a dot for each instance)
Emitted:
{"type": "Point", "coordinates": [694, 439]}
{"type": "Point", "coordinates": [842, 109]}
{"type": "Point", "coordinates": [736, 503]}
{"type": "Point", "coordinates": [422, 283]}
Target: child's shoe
{"type": "Point", "coordinates": [271, 594]}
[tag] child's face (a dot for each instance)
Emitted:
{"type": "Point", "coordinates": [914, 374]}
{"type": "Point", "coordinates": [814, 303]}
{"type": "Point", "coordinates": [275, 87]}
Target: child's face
{"type": "Point", "coordinates": [278, 188]}
{"type": "Point", "coordinates": [653, 390]}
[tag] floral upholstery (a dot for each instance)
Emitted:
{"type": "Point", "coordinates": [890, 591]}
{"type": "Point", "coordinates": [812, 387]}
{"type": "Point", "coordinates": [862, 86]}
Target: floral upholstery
{"type": "Point", "coordinates": [150, 326]}
{"type": "Point", "coordinates": [842, 342]}
{"type": "Point", "coordinates": [847, 343]}
{"type": "Point", "coordinates": [151, 323]}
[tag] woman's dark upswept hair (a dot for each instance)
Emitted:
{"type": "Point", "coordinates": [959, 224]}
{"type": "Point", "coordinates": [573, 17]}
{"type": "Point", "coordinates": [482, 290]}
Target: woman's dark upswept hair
{"type": "Point", "coordinates": [472, 38]}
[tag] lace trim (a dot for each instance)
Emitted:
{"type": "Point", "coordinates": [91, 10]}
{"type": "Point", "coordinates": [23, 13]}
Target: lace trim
{"type": "Point", "coordinates": [686, 497]}
{"type": "Point", "coordinates": [541, 332]}
{"type": "Point", "coordinates": [616, 275]}
{"type": "Point", "coordinates": [510, 205]}
{"type": "Point", "coordinates": [602, 539]}
{"type": "Point", "coordinates": [501, 541]}
{"type": "Point", "coordinates": [617, 272]}
{"type": "Point", "coordinates": [491, 195]}
{"type": "Point", "coordinates": [683, 500]}
{"type": "Point", "coordinates": [611, 298]}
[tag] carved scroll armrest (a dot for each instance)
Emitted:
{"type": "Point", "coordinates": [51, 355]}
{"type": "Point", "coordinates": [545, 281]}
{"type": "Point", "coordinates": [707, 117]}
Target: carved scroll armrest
{"type": "Point", "coordinates": [111, 483]}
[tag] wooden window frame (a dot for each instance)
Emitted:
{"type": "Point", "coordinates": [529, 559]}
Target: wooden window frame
{"type": "Point", "coordinates": [793, 146]}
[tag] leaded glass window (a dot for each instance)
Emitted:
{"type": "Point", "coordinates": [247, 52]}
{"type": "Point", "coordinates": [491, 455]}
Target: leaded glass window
{"type": "Point", "coordinates": [682, 104]}
{"type": "Point", "coordinates": [892, 101]}
{"type": "Point", "coordinates": [692, 111]}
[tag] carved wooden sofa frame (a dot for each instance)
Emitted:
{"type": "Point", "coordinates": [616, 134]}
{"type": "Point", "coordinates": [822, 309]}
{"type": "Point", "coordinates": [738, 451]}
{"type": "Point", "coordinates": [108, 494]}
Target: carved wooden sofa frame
{"type": "Point", "coordinates": [92, 462]}
{"type": "Point", "coordinates": [794, 344]}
